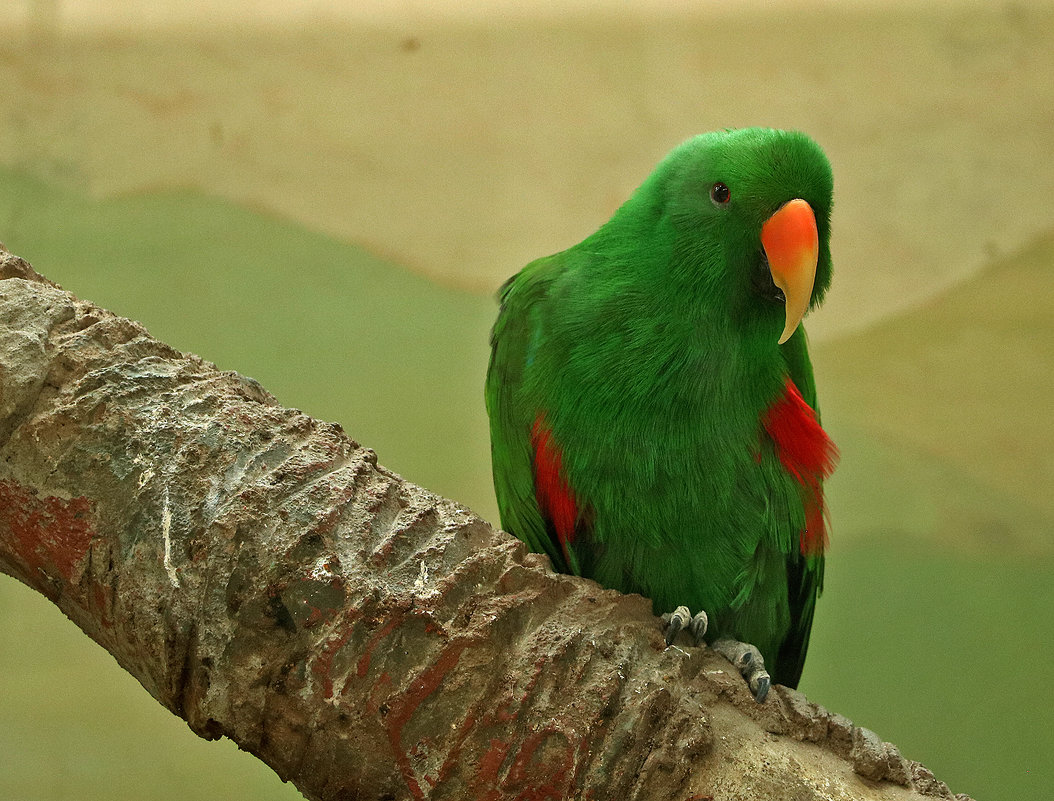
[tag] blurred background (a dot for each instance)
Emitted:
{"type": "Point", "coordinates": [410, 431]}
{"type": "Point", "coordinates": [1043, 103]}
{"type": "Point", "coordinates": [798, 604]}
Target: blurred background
{"type": "Point", "coordinates": [326, 198]}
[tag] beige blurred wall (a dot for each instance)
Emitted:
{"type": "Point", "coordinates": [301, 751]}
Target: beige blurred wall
{"type": "Point", "coordinates": [462, 140]}
{"type": "Point", "coordinates": [112, 14]}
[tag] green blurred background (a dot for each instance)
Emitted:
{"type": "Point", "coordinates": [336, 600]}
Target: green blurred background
{"type": "Point", "coordinates": [326, 199]}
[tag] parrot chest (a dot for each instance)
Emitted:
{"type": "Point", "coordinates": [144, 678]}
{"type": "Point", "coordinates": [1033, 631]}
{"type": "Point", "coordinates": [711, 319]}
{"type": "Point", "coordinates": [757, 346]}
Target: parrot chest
{"type": "Point", "coordinates": [727, 480]}
{"type": "Point", "coordinates": [709, 521]}
{"type": "Point", "coordinates": [687, 457]}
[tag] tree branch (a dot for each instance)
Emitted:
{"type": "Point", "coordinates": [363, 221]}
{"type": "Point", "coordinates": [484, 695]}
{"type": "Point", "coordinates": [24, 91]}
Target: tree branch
{"type": "Point", "coordinates": [265, 579]}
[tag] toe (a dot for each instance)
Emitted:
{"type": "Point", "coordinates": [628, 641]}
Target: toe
{"type": "Point", "coordinates": [750, 664]}
{"type": "Point", "coordinates": [675, 621]}
{"type": "Point", "coordinates": [759, 686]}
{"type": "Point", "coordinates": [698, 626]}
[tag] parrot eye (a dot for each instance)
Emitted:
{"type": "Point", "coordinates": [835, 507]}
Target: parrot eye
{"type": "Point", "coordinates": [720, 194]}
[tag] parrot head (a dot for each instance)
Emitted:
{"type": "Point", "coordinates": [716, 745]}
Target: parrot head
{"type": "Point", "coordinates": [750, 210]}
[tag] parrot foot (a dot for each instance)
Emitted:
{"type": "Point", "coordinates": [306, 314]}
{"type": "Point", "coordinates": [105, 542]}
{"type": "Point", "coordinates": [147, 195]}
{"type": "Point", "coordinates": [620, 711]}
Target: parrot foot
{"type": "Point", "coordinates": [681, 618]}
{"type": "Point", "coordinates": [747, 660]}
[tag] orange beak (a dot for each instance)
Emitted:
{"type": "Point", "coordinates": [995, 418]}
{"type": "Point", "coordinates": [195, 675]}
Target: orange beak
{"type": "Point", "coordinates": [792, 247]}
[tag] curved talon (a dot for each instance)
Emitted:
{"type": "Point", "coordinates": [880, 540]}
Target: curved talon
{"type": "Point", "coordinates": [759, 686]}
{"type": "Point", "coordinates": [748, 661]}
{"type": "Point", "coordinates": [675, 621]}
{"type": "Point", "coordinates": [680, 619]}
{"type": "Point", "coordinates": [698, 626]}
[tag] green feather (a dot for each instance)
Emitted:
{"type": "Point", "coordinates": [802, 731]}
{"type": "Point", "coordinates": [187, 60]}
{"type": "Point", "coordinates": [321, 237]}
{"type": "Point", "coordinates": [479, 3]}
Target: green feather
{"type": "Point", "coordinates": [652, 357]}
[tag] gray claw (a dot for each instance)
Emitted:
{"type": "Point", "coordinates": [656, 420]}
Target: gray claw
{"type": "Point", "coordinates": [748, 661]}
{"type": "Point", "coordinates": [759, 685]}
{"type": "Point", "coordinates": [675, 621]}
{"type": "Point", "coordinates": [681, 618]}
{"type": "Point", "coordinates": [698, 626]}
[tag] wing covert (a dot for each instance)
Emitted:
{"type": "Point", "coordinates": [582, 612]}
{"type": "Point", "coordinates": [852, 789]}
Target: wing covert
{"type": "Point", "coordinates": [514, 424]}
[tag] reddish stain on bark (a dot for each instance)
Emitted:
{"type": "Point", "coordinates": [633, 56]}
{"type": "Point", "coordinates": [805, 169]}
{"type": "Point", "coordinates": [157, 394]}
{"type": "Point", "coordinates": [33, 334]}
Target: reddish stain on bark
{"type": "Point", "coordinates": [49, 535]}
{"type": "Point", "coordinates": [504, 714]}
{"type": "Point", "coordinates": [545, 765]}
{"type": "Point", "coordinates": [404, 706]}
{"type": "Point", "coordinates": [381, 689]}
{"type": "Point", "coordinates": [490, 763]}
{"type": "Point", "coordinates": [544, 779]}
{"type": "Point", "coordinates": [323, 664]}
{"type": "Point", "coordinates": [371, 645]}
{"type": "Point", "coordinates": [453, 757]}
{"type": "Point", "coordinates": [102, 598]}
{"type": "Point", "coordinates": [487, 767]}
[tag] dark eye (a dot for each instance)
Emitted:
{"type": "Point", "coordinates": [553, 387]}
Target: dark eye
{"type": "Point", "coordinates": [720, 194]}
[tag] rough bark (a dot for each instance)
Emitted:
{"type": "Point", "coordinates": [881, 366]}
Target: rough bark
{"type": "Point", "coordinates": [265, 579]}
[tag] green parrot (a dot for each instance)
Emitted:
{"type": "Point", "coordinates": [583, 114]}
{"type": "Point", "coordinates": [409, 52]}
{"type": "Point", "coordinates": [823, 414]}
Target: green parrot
{"type": "Point", "coordinates": [652, 406]}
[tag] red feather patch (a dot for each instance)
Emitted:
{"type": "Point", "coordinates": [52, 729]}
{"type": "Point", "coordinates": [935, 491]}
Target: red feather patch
{"type": "Point", "coordinates": [808, 454]}
{"type": "Point", "coordinates": [554, 495]}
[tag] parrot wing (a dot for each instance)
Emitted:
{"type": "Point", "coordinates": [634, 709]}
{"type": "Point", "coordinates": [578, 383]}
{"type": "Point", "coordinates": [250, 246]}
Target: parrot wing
{"type": "Point", "coordinates": [804, 572]}
{"type": "Point", "coordinates": [535, 502]}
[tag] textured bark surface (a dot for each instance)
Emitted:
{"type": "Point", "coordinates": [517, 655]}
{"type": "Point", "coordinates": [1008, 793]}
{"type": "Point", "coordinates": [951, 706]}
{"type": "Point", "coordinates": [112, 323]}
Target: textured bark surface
{"type": "Point", "coordinates": [266, 580]}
